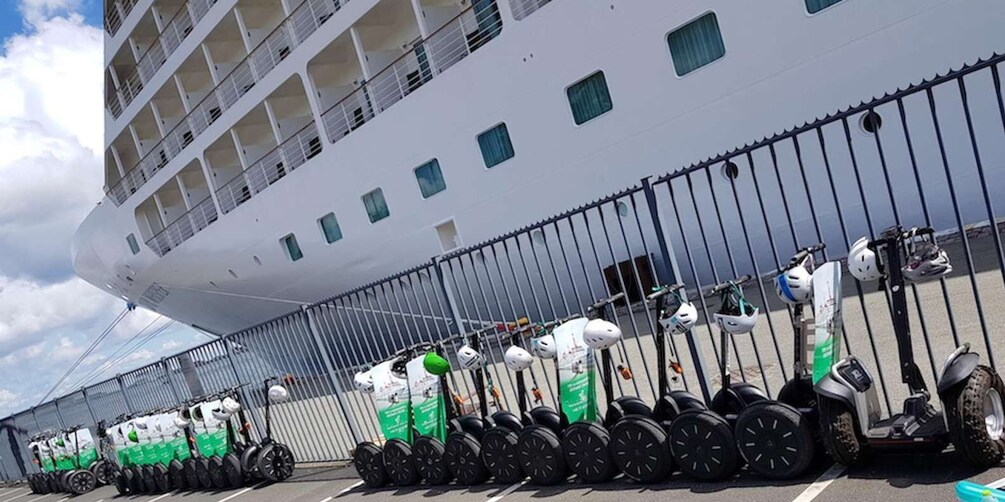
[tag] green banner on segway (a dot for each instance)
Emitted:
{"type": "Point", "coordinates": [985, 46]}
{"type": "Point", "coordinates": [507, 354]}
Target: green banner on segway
{"type": "Point", "coordinates": [391, 396]}
{"type": "Point", "coordinates": [827, 316]}
{"type": "Point", "coordinates": [429, 411]}
{"type": "Point", "coordinates": [577, 372]}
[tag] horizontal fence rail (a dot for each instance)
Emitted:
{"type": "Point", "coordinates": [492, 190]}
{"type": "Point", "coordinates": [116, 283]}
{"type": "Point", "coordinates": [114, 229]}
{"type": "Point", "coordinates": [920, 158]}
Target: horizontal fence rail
{"type": "Point", "coordinates": [924, 156]}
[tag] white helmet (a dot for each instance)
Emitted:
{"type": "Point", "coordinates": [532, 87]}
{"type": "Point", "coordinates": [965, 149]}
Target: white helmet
{"type": "Point", "coordinates": [364, 381]}
{"type": "Point", "coordinates": [544, 347]}
{"type": "Point", "coordinates": [795, 285]}
{"type": "Point", "coordinates": [230, 405]}
{"type": "Point", "coordinates": [180, 422]}
{"type": "Point", "coordinates": [278, 394]}
{"type": "Point", "coordinates": [140, 423]}
{"type": "Point", "coordinates": [517, 359]}
{"type": "Point", "coordinates": [736, 316]}
{"type": "Point", "coordinates": [32, 445]}
{"type": "Point", "coordinates": [469, 358]}
{"type": "Point", "coordinates": [682, 320]}
{"type": "Point", "coordinates": [926, 260]}
{"type": "Point", "coordinates": [221, 415]}
{"type": "Point", "coordinates": [862, 262]}
{"type": "Point", "coordinates": [600, 334]}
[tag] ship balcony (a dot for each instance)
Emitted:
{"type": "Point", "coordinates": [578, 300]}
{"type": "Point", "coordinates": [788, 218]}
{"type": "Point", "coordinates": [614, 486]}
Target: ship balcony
{"type": "Point", "coordinates": [445, 47]}
{"type": "Point", "coordinates": [117, 11]}
{"type": "Point", "coordinates": [272, 46]}
{"type": "Point", "coordinates": [183, 208]}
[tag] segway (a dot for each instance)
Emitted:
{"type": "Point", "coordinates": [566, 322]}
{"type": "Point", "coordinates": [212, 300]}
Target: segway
{"type": "Point", "coordinates": [79, 480]}
{"type": "Point", "coordinates": [435, 414]}
{"type": "Point", "coordinates": [640, 445]}
{"type": "Point", "coordinates": [104, 469]}
{"type": "Point", "coordinates": [234, 469]}
{"type": "Point", "coordinates": [387, 383]}
{"type": "Point", "coordinates": [197, 466]}
{"type": "Point", "coordinates": [851, 423]}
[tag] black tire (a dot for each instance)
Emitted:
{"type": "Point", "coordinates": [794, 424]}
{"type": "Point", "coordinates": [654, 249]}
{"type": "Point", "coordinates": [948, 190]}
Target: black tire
{"type": "Point", "coordinates": [841, 435]}
{"type": "Point", "coordinates": [798, 393]}
{"type": "Point", "coordinates": [249, 460]}
{"type": "Point", "coordinates": [625, 406]}
{"type": "Point", "coordinates": [548, 417]}
{"type": "Point", "coordinates": [135, 480]}
{"type": "Point", "coordinates": [640, 448]}
{"type": "Point", "coordinates": [147, 475]}
{"type": "Point", "coordinates": [703, 445]}
{"type": "Point", "coordinates": [121, 484]}
{"type": "Point", "coordinates": [687, 401]}
{"type": "Point", "coordinates": [162, 481]}
{"type": "Point", "coordinates": [586, 450]}
{"type": "Point", "coordinates": [738, 396]}
{"type": "Point", "coordinates": [81, 481]}
{"type": "Point", "coordinates": [966, 406]}
{"type": "Point", "coordinates": [202, 472]}
{"type": "Point", "coordinates": [216, 475]}
{"type": "Point", "coordinates": [191, 474]}
{"type": "Point", "coordinates": [430, 463]}
{"type": "Point", "coordinates": [499, 454]}
{"type": "Point", "coordinates": [540, 454]}
{"type": "Point", "coordinates": [369, 462]}
{"type": "Point", "coordinates": [275, 462]}
{"type": "Point", "coordinates": [176, 471]}
{"type": "Point", "coordinates": [463, 456]}
{"type": "Point", "coordinates": [399, 464]}
{"type": "Point", "coordinates": [232, 470]}
{"type": "Point", "coordinates": [104, 471]}
{"type": "Point", "coordinates": [775, 440]}
{"type": "Point", "coordinates": [63, 481]}
{"type": "Point", "coordinates": [508, 420]}
{"type": "Point", "coordinates": [34, 485]}
{"type": "Point", "coordinates": [52, 481]}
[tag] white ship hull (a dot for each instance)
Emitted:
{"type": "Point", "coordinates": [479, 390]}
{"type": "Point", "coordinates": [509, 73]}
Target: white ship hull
{"type": "Point", "coordinates": [782, 67]}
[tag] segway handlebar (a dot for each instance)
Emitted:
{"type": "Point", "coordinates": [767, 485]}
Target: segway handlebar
{"type": "Point", "coordinates": [605, 302]}
{"type": "Point", "coordinates": [801, 255]}
{"type": "Point", "coordinates": [663, 290]}
{"type": "Point", "coordinates": [719, 288]}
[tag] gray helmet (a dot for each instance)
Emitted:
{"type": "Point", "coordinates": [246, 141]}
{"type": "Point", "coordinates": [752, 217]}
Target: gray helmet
{"type": "Point", "coordinates": [925, 260]}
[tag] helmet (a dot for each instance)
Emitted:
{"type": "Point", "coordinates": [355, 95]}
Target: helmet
{"type": "Point", "coordinates": [736, 316]}
{"type": "Point", "coordinates": [862, 262]}
{"type": "Point", "coordinates": [435, 364]}
{"type": "Point", "coordinates": [221, 415]}
{"type": "Point", "coordinates": [925, 260]}
{"type": "Point", "coordinates": [795, 285]}
{"type": "Point", "coordinates": [543, 347]}
{"type": "Point", "coordinates": [600, 334]}
{"type": "Point", "coordinates": [517, 359]}
{"type": "Point", "coordinates": [180, 422]}
{"type": "Point", "coordinates": [141, 423]}
{"type": "Point", "coordinates": [278, 394]}
{"type": "Point", "coordinates": [682, 320]}
{"type": "Point", "coordinates": [469, 358]}
{"type": "Point", "coordinates": [133, 436]}
{"type": "Point", "coordinates": [230, 405]}
{"type": "Point", "coordinates": [364, 381]}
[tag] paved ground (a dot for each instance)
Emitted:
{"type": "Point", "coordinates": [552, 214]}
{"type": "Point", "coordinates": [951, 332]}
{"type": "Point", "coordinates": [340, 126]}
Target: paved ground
{"type": "Point", "coordinates": [894, 477]}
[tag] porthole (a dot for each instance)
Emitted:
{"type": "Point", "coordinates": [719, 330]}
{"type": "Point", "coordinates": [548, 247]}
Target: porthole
{"type": "Point", "coordinates": [622, 209]}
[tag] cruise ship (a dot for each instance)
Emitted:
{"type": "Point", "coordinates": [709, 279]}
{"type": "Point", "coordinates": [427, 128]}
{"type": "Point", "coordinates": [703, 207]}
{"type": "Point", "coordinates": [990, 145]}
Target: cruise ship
{"type": "Point", "coordinates": [264, 154]}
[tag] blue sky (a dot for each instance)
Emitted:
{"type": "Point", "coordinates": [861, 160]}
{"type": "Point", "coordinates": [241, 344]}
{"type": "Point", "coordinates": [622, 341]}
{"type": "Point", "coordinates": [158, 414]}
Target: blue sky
{"type": "Point", "coordinates": [11, 22]}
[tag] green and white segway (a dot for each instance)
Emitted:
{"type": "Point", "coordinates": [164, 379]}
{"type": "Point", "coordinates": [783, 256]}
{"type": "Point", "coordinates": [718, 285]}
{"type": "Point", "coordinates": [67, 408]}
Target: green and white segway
{"type": "Point", "coordinates": [387, 383]}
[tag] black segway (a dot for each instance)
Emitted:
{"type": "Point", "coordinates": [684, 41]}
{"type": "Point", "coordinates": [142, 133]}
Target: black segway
{"type": "Point", "coordinates": [387, 383]}
{"type": "Point", "coordinates": [273, 461]}
{"type": "Point", "coordinates": [851, 422]}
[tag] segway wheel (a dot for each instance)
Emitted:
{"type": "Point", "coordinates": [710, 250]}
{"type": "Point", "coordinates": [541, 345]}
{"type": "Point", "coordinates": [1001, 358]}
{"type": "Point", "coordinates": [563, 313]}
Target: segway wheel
{"type": "Point", "coordinates": [162, 481]}
{"type": "Point", "coordinates": [976, 416]}
{"type": "Point", "coordinates": [463, 455]}
{"type": "Point", "coordinates": [586, 449]}
{"type": "Point", "coordinates": [840, 433]}
{"type": "Point", "coordinates": [176, 471]}
{"type": "Point", "coordinates": [147, 475]}
{"type": "Point", "coordinates": [81, 481]}
{"type": "Point", "coordinates": [216, 475]}
{"type": "Point", "coordinates": [202, 472]}
{"type": "Point", "coordinates": [33, 484]}
{"type": "Point", "coordinates": [275, 462]}
{"type": "Point", "coordinates": [738, 396]}
{"type": "Point", "coordinates": [63, 481]}
{"type": "Point", "coordinates": [499, 453]}
{"type": "Point", "coordinates": [232, 470]}
{"type": "Point", "coordinates": [703, 445]}
{"type": "Point", "coordinates": [640, 448]}
{"type": "Point", "coordinates": [625, 406]}
{"type": "Point", "coordinates": [121, 484]}
{"type": "Point", "coordinates": [428, 453]}
{"type": "Point", "coordinates": [53, 482]}
{"type": "Point", "coordinates": [775, 440]}
{"type": "Point", "coordinates": [249, 460]}
{"type": "Point", "coordinates": [104, 471]}
{"type": "Point", "coordinates": [369, 462]}
{"type": "Point", "coordinates": [135, 481]}
{"type": "Point", "coordinates": [191, 474]}
{"type": "Point", "coordinates": [399, 464]}
{"type": "Point", "coordinates": [539, 452]}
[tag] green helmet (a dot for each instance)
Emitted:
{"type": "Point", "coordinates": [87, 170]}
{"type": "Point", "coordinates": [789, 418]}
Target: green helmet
{"type": "Point", "coordinates": [133, 436]}
{"type": "Point", "coordinates": [435, 364]}
{"type": "Point", "coordinates": [60, 442]}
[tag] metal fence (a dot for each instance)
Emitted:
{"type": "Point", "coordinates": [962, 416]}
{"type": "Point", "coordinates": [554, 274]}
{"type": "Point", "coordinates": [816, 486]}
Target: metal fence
{"type": "Point", "coordinates": [925, 155]}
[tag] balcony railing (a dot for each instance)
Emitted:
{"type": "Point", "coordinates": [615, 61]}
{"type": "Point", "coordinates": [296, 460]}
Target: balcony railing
{"type": "Point", "coordinates": [175, 31]}
{"type": "Point", "coordinates": [448, 45]}
{"type": "Point", "coordinates": [182, 229]}
{"type": "Point", "coordinates": [301, 23]}
{"type": "Point", "coordinates": [524, 8]}
{"type": "Point", "coordinates": [119, 10]}
{"type": "Point", "coordinates": [270, 168]}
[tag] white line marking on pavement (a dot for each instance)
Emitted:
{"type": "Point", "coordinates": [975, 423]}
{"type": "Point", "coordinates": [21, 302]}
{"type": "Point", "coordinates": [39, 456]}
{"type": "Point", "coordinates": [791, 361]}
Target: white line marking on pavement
{"type": "Point", "coordinates": [996, 484]}
{"type": "Point", "coordinates": [507, 491]}
{"type": "Point", "coordinates": [156, 499]}
{"type": "Point", "coordinates": [19, 496]}
{"type": "Point", "coordinates": [238, 494]}
{"type": "Point", "coordinates": [820, 484]}
{"type": "Point", "coordinates": [328, 499]}
{"type": "Point", "coordinates": [42, 497]}
{"type": "Point", "coordinates": [344, 490]}
{"type": "Point", "coordinates": [13, 492]}
{"type": "Point", "coordinates": [64, 499]}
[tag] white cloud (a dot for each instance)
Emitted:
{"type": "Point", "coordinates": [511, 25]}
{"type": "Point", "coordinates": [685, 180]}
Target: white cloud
{"type": "Point", "coordinates": [38, 11]}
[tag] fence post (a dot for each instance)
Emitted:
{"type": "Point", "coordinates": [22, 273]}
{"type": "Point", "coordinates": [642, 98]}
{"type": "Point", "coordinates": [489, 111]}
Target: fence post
{"type": "Point", "coordinates": [59, 414]}
{"type": "Point", "coordinates": [311, 326]}
{"type": "Point", "coordinates": [245, 397]}
{"type": "Point", "coordinates": [191, 375]}
{"type": "Point", "coordinates": [125, 396]}
{"type": "Point", "coordinates": [167, 377]}
{"type": "Point", "coordinates": [670, 260]}
{"type": "Point", "coordinates": [448, 296]}
{"type": "Point", "coordinates": [87, 402]}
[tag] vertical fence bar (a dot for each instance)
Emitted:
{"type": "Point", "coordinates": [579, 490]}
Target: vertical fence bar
{"type": "Point", "coordinates": [337, 391]}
